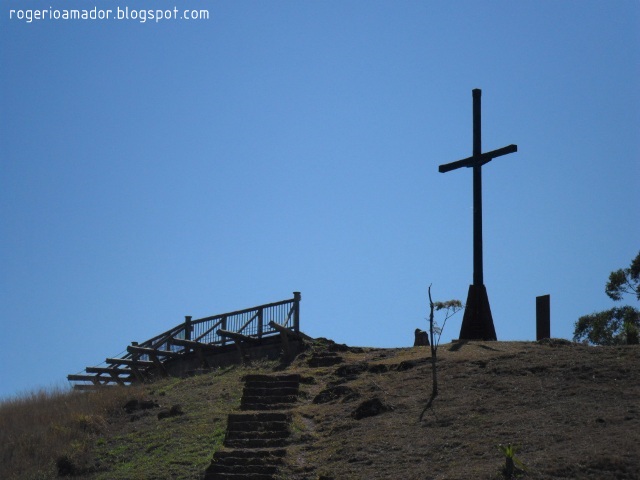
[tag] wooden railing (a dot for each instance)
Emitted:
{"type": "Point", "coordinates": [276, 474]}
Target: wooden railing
{"type": "Point", "coordinates": [251, 324]}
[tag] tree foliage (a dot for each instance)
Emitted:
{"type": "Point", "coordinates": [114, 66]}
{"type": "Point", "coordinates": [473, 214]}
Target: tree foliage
{"type": "Point", "coordinates": [625, 280]}
{"type": "Point", "coordinates": [449, 306]}
{"type": "Point", "coordinates": [619, 325]}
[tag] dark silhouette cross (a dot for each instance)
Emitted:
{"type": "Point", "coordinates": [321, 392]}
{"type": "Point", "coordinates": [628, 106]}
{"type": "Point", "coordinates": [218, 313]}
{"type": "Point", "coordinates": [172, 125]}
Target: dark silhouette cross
{"type": "Point", "coordinates": [477, 323]}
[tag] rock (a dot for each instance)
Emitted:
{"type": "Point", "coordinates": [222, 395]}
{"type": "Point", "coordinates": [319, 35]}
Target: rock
{"type": "Point", "coordinates": [174, 411]}
{"type": "Point", "coordinates": [421, 338]}
{"type": "Point", "coordinates": [164, 413]}
{"type": "Point", "coordinates": [370, 408]}
{"type": "Point", "coordinates": [324, 359]}
{"type": "Point", "coordinates": [135, 405]}
{"type": "Point", "coordinates": [338, 347]}
{"type": "Point", "coordinates": [66, 467]}
{"type": "Point", "coordinates": [409, 364]}
{"type": "Point", "coordinates": [352, 370]}
{"type": "Point", "coordinates": [333, 393]}
{"type": "Point", "coordinates": [380, 368]}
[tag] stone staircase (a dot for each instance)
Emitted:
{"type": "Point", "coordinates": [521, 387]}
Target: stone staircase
{"type": "Point", "coordinates": [255, 441]}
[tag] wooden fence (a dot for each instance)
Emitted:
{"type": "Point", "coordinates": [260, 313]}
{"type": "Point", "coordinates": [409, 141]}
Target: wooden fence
{"type": "Point", "coordinates": [201, 336]}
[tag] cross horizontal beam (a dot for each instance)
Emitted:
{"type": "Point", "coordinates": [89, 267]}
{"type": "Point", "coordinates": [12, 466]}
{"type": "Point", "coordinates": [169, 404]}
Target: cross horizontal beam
{"type": "Point", "coordinates": [478, 161]}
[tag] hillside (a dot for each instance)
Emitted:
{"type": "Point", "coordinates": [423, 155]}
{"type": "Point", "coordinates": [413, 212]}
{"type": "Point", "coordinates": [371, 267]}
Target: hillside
{"type": "Point", "coordinates": [573, 410]}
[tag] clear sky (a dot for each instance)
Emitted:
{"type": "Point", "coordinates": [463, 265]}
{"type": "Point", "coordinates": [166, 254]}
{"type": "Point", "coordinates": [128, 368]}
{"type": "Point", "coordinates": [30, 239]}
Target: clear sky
{"type": "Point", "coordinates": [155, 170]}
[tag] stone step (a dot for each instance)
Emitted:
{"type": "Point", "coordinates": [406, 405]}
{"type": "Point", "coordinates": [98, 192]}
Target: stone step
{"type": "Point", "coordinates": [258, 427]}
{"type": "Point", "coordinates": [255, 443]}
{"type": "Point", "coordinates": [259, 417]}
{"type": "Point", "coordinates": [253, 435]}
{"type": "Point", "coordinates": [255, 439]}
{"type": "Point", "coordinates": [272, 385]}
{"type": "Point", "coordinates": [324, 360]}
{"type": "Point", "coordinates": [244, 469]}
{"type": "Point", "coordinates": [238, 476]}
{"type": "Point", "coordinates": [272, 378]}
{"type": "Point", "coordinates": [273, 455]}
{"type": "Point", "coordinates": [257, 462]}
{"type": "Point", "coordinates": [258, 406]}
{"type": "Point", "coordinates": [269, 400]}
{"type": "Point", "coordinates": [252, 391]}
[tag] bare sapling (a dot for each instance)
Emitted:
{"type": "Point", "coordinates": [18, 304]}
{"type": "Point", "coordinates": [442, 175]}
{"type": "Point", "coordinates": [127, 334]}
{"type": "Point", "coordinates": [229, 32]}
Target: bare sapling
{"type": "Point", "coordinates": [450, 307]}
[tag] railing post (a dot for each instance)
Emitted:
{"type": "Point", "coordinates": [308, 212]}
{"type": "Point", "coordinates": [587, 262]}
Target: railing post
{"type": "Point", "coordinates": [223, 325]}
{"type": "Point", "coordinates": [296, 311]}
{"type": "Point", "coordinates": [260, 322]}
{"type": "Point", "coordinates": [187, 327]}
{"type": "Point", "coordinates": [135, 356]}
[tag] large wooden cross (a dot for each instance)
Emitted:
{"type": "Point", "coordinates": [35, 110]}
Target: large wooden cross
{"type": "Point", "coordinates": [477, 323]}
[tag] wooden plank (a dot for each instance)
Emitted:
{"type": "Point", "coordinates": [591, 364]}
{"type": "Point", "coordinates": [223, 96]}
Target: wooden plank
{"type": "Point", "coordinates": [286, 331]}
{"type": "Point", "coordinates": [158, 363]}
{"type": "Point", "coordinates": [108, 371]}
{"type": "Point", "coordinates": [96, 379]}
{"type": "Point", "coordinates": [192, 344]}
{"type": "Point", "coordinates": [482, 159]}
{"type": "Point", "coordinates": [283, 330]}
{"type": "Point", "coordinates": [284, 338]}
{"type": "Point", "coordinates": [129, 362]}
{"type": "Point", "coordinates": [198, 348]}
{"type": "Point", "coordinates": [238, 337]}
{"type": "Point", "coordinates": [85, 378]}
{"type": "Point", "coordinates": [118, 380]}
{"type": "Point", "coordinates": [153, 352]}
{"type": "Point", "coordinates": [138, 374]}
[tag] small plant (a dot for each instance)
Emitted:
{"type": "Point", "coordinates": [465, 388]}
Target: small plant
{"type": "Point", "coordinates": [512, 465]}
{"type": "Point", "coordinates": [451, 307]}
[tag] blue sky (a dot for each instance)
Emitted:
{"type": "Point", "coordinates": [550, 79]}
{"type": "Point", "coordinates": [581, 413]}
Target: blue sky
{"type": "Point", "coordinates": [154, 170]}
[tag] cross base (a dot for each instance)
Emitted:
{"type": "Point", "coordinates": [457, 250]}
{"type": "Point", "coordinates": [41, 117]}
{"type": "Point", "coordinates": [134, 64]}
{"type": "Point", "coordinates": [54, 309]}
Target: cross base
{"type": "Point", "coordinates": [477, 323]}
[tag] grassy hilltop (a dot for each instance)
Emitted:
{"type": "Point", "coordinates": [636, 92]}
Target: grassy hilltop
{"type": "Point", "coordinates": [573, 410]}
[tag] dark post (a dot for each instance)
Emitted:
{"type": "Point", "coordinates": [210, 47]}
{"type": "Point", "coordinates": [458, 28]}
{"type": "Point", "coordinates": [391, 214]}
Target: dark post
{"type": "Point", "coordinates": [187, 327]}
{"type": "Point", "coordinates": [296, 311]}
{"type": "Point", "coordinates": [478, 275]}
{"type": "Point", "coordinates": [223, 325]}
{"type": "Point", "coordinates": [260, 322]}
{"type": "Point", "coordinates": [543, 317]}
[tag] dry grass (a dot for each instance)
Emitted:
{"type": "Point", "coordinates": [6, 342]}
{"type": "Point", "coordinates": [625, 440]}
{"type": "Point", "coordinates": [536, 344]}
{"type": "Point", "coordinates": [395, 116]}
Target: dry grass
{"type": "Point", "coordinates": [39, 428]}
{"type": "Point", "coordinates": [572, 409]}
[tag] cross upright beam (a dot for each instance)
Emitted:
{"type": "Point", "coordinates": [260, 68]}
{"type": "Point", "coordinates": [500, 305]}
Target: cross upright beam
{"type": "Point", "coordinates": [478, 270]}
{"type": "Point", "coordinates": [477, 323]}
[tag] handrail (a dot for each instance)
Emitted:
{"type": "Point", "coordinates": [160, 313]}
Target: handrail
{"type": "Point", "coordinates": [249, 323]}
